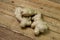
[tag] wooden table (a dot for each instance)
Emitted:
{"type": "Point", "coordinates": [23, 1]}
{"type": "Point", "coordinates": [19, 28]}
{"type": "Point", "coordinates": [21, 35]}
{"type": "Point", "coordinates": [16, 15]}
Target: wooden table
{"type": "Point", "coordinates": [50, 10]}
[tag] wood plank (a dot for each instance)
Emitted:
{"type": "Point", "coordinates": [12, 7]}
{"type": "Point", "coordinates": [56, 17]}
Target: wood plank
{"type": "Point", "coordinates": [50, 11]}
{"type": "Point", "coordinates": [49, 8]}
{"type": "Point", "coordinates": [14, 26]}
{"type": "Point", "coordinates": [6, 34]}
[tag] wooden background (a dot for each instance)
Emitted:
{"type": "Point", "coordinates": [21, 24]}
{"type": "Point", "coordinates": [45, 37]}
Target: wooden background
{"type": "Point", "coordinates": [50, 10]}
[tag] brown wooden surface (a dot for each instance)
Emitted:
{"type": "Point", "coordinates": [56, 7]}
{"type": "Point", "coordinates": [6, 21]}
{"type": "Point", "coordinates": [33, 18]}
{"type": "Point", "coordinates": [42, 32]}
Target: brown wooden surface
{"type": "Point", "coordinates": [6, 34]}
{"type": "Point", "coordinates": [49, 9]}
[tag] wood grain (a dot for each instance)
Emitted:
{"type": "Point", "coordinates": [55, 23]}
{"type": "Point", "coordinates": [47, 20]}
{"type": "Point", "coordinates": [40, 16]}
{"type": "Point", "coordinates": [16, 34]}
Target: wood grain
{"type": "Point", "coordinates": [6, 34]}
{"type": "Point", "coordinates": [49, 9]}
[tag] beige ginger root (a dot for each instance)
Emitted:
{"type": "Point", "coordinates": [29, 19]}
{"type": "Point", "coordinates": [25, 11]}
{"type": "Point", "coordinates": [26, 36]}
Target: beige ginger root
{"type": "Point", "coordinates": [24, 20]}
{"type": "Point", "coordinates": [39, 24]}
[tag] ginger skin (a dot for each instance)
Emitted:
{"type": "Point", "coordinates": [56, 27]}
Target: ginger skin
{"type": "Point", "coordinates": [39, 24]}
{"type": "Point", "coordinates": [28, 12]}
{"type": "Point", "coordinates": [23, 20]}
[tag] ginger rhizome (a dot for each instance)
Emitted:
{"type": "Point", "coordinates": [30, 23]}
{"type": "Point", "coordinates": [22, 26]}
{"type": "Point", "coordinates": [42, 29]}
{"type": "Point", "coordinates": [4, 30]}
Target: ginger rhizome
{"type": "Point", "coordinates": [23, 20]}
{"type": "Point", "coordinates": [39, 24]}
{"type": "Point", "coordinates": [25, 16]}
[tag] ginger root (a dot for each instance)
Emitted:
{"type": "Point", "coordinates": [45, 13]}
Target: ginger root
{"type": "Point", "coordinates": [23, 20]}
{"type": "Point", "coordinates": [39, 24]}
